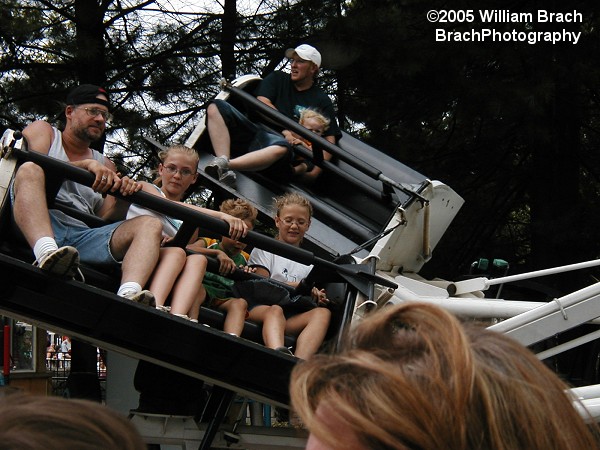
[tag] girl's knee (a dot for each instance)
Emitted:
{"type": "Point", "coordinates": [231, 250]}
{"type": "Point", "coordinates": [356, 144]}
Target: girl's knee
{"type": "Point", "coordinates": [322, 314]}
{"type": "Point", "coordinates": [198, 261]}
{"type": "Point", "coordinates": [239, 303]}
{"type": "Point", "coordinates": [173, 252]}
{"type": "Point", "coordinates": [173, 256]}
{"type": "Point", "coordinates": [275, 311]}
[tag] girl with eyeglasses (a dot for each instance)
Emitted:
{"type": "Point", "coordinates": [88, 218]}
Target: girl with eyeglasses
{"type": "Point", "coordinates": [177, 274]}
{"type": "Point", "coordinates": [292, 221]}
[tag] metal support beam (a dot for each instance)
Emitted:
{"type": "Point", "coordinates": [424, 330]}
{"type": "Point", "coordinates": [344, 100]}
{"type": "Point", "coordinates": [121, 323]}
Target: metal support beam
{"type": "Point", "coordinates": [554, 317]}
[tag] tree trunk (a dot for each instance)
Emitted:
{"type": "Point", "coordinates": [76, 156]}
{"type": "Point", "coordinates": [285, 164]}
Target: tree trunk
{"type": "Point", "coordinates": [228, 38]}
{"type": "Point", "coordinates": [90, 58]}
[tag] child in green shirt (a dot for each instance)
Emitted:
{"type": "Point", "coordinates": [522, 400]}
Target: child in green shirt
{"type": "Point", "coordinates": [231, 255]}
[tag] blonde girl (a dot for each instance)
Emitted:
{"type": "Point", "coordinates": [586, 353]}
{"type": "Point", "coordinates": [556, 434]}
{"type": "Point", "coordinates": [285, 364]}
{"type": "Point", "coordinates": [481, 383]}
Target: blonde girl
{"type": "Point", "coordinates": [292, 220]}
{"type": "Point", "coordinates": [177, 274]}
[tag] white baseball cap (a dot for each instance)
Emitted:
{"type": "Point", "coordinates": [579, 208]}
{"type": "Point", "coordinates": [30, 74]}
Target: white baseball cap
{"type": "Point", "coordinates": [306, 52]}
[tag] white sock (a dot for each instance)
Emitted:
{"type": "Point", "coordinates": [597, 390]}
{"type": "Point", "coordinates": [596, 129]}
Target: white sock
{"type": "Point", "coordinates": [129, 287]}
{"type": "Point", "coordinates": [43, 246]}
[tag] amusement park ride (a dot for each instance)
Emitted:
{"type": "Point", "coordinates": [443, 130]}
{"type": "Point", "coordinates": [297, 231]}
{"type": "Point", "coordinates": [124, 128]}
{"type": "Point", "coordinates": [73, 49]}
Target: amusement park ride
{"type": "Point", "coordinates": [376, 223]}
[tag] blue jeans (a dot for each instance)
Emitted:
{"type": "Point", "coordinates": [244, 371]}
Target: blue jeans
{"type": "Point", "coordinates": [245, 135]}
{"type": "Point", "coordinates": [93, 244]}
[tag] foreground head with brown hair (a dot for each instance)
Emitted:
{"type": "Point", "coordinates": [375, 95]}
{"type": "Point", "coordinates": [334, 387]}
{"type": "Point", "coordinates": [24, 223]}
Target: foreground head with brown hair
{"type": "Point", "coordinates": [413, 377]}
{"type": "Point", "coordinates": [30, 422]}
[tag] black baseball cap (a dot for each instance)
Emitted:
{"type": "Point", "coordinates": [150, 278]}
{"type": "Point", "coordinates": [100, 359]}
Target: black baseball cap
{"type": "Point", "coordinates": [87, 93]}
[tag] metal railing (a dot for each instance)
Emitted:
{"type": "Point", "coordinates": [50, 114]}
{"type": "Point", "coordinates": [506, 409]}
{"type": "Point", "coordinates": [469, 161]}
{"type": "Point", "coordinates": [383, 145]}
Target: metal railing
{"type": "Point", "coordinates": [59, 365]}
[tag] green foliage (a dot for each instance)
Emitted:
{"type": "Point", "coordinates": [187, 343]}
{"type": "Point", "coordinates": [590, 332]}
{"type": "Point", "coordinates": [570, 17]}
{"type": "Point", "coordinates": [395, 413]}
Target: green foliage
{"type": "Point", "coordinates": [160, 64]}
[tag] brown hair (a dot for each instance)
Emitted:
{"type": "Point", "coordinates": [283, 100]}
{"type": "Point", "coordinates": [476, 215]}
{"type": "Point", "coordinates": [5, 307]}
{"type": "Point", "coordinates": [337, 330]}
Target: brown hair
{"type": "Point", "coordinates": [239, 208]}
{"type": "Point", "coordinates": [292, 198]}
{"type": "Point", "coordinates": [413, 377]}
{"type": "Point", "coordinates": [29, 422]}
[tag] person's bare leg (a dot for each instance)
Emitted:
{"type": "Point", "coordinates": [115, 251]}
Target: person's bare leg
{"type": "Point", "coordinates": [258, 159]}
{"type": "Point", "coordinates": [137, 243]}
{"type": "Point", "coordinates": [218, 131]}
{"type": "Point", "coordinates": [194, 312]}
{"type": "Point", "coordinates": [311, 328]}
{"type": "Point", "coordinates": [236, 315]}
{"type": "Point", "coordinates": [30, 209]}
{"type": "Point", "coordinates": [273, 322]}
{"type": "Point", "coordinates": [170, 263]}
{"type": "Point", "coordinates": [189, 285]}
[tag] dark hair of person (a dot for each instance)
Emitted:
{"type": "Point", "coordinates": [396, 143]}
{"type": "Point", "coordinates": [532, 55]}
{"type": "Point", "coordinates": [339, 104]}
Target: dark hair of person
{"type": "Point", "coordinates": [29, 422]}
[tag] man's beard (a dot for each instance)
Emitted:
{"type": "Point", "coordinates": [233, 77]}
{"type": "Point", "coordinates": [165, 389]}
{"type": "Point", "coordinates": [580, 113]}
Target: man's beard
{"type": "Point", "coordinates": [84, 134]}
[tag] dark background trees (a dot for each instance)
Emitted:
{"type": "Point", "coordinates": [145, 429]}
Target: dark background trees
{"type": "Point", "coordinates": [511, 126]}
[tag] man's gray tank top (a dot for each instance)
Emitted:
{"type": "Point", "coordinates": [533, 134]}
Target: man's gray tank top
{"type": "Point", "coordinates": [71, 193]}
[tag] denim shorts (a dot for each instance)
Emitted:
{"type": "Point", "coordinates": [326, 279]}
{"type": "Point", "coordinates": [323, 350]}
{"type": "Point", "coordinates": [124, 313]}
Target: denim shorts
{"type": "Point", "coordinates": [245, 135]}
{"type": "Point", "coordinates": [93, 244]}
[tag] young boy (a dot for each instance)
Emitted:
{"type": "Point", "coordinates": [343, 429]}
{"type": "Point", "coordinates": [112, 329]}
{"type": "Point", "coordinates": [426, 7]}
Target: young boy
{"type": "Point", "coordinates": [231, 255]}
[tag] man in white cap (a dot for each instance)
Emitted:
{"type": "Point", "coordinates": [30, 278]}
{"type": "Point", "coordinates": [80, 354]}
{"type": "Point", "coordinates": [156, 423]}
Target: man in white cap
{"type": "Point", "coordinates": [250, 147]}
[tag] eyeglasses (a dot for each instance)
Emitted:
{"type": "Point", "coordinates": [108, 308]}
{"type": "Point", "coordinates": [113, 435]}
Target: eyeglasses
{"type": "Point", "coordinates": [289, 222]}
{"type": "Point", "coordinates": [93, 112]}
{"type": "Point", "coordinates": [183, 172]}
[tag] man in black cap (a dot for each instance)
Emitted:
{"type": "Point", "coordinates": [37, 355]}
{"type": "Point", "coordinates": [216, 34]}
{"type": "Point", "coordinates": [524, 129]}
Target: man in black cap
{"type": "Point", "coordinates": [250, 147]}
{"type": "Point", "coordinates": [58, 240]}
